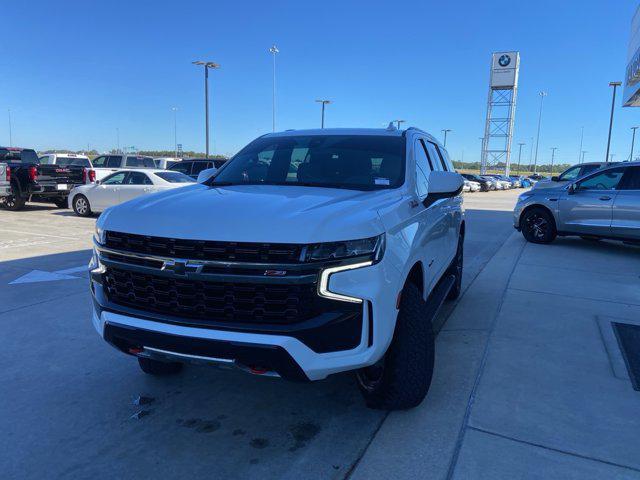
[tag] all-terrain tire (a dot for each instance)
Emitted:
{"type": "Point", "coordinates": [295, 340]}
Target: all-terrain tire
{"type": "Point", "coordinates": [407, 367]}
{"type": "Point", "coordinates": [538, 226]}
{"type": "Point", "coordinates": [155, 367]}
{"type": "Point", "coordinates": [14, 202]}
{"type": "Point", "coordinates": [456, 270]}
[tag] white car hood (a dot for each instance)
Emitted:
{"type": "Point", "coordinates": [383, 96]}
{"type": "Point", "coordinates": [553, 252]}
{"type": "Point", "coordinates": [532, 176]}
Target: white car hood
{"type": "Point", "coordinates": [252, 213]}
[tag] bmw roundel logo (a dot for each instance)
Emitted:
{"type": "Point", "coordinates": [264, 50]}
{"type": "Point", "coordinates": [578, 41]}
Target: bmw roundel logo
{"type": "Point", "coordinates": [504, 60]}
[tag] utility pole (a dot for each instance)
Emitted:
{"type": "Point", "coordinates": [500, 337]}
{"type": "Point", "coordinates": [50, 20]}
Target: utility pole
{"type": "Point", "coordinates": [535, 161]}
{"type": "Point", "coordinates": [553, 155]}
{"type": "Point", "coordinates": [207, 66]}
{"type": "Point", "coordinates": [323, 102]}
{"type": "Point", "coordinates": [445, 131]}
{"type": "Point", "coordinates": [581, 139]}
{"type": "Point", "coordinates": [520, 145]}
{"type": "Point", "coordinates": [10, 132]}
{"type": "Point", "coordinates": [273, 51]}
{"type": "Point", "coordinates": [611, 157]}
{"type": "Point", "coordinates": [175, 132]}
{"type": "Point", "coordinates": [633, 140]}
{"type": "Point", "coordinates": [615, 85]}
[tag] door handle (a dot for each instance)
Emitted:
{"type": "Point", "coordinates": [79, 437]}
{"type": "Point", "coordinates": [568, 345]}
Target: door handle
{"type": "Point", "coordinates": [605, 198]}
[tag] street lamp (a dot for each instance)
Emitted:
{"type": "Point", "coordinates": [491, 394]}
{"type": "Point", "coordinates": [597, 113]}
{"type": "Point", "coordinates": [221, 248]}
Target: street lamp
{"type": "Point", "coordinates": [10, 133]}
{"type": "Point", "coordinates": [583, 152]}
{"type": "Point", "coordinates": [207, 66]}
{"type": "Point", "coordinates": [520, 155]}
{"type": "Point", "coordinates": [273, 51]}
{"type": "Point", "coordinates": [399, 122]}
{"type": "Point", "coordinates": [633, 141]}
{"type": "Point", "coordinates": [117, 140]}
{"type": "Point", "coordinates": [175, 131]}
{"type": "Point", "coordinates": [323, 102]}
{"type": "Point", "coordinates": [615, 85]}
{"type": "Point", "coordinates": [581, 139]}
{"type": "Point", "coordinates": [535, 160]}
{"type": "Point", "coordinates": [445, 131]}
{"type": "Point", "coordinates": [553, 155]}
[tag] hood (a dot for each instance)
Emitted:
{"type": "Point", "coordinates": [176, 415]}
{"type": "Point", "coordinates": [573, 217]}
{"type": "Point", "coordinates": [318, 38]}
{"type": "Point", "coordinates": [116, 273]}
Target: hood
{"type": "Point", "coordinates": [548, 184]}
{"type": "Point", "coordinates": [252, 213]}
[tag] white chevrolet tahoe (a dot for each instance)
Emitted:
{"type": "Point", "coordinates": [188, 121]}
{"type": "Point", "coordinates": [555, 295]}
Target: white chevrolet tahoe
{"type": "Point", "coordinates": [307, 254]}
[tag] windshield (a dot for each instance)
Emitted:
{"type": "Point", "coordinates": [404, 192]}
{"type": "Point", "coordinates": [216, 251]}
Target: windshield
{"type": "Point", "coordinates": [359, 162]}
{"type": "Point", "coordinates": [144, 162]}
{"type": "Point", "coordinates": [19, 156]}
{"type": "Point", "coordinates": [66, 161]}
{"type": "Point", "coordinates": [174, 177]}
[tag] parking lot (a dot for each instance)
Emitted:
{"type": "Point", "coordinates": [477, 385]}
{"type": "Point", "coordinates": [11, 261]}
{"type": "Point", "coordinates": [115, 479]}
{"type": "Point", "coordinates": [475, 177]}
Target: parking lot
{"type": "Point", "coordinates": [69, 411]}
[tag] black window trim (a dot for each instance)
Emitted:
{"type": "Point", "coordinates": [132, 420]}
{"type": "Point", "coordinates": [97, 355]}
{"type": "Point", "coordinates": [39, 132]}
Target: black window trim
{"type": "Point", "coordinates": [426, 151]}
{"type": "Point", "coordinates": [600, 172]}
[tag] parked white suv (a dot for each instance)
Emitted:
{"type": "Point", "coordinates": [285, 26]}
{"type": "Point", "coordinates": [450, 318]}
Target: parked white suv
{"type": "Point", "coordinates": [308, 253]}
{"type": "Point", "coordinates": [107, 164]}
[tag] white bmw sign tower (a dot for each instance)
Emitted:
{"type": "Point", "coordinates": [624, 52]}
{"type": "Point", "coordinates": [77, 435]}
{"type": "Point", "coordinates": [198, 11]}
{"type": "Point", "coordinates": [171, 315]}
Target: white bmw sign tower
{"type": "Point", "coordinates": [501, 109]}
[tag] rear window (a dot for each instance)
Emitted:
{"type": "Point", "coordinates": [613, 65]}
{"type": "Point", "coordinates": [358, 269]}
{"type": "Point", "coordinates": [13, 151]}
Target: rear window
{"type": "Point", "coordinates": [19, 156]}
{"type": "Point", "coordinates": [141, 162]}
{"type": "Point", "coordinates": [79, 162]}
{"type": "Point", "coordinates": [174, 177]}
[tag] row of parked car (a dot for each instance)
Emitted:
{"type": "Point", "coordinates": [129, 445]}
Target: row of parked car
{"type": "Point", "coordinates": [87, 186]}
{"type": "Point", "coordinates": [490, 182]}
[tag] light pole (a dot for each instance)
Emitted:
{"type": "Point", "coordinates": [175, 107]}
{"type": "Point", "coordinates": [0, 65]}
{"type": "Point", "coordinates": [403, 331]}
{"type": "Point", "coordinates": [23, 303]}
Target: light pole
{"type": "Point", "coordinates": [535, 160]}
{"type": "Point", "coordinates": [207, 66]}
{"type": "Point", "coordinates": [581, 139]}
{"type": "Point", "coordinates": [553, 155]}
{"type": "Point", "coordinates": [273, 51]}
{"type": "Point", "coordinates": [10, 133]}
{"type": "Point", "coordinates": [615, 86]}
{"type": "Point", "coordinates": [633, 141]}
{"type": "Point", "coordinates": [399, 122]}
{"type": "Point", "coordinates": [175, 132]}
{"type": "Point", "coordinates": [583, 152]}
{"type": "Point", "coordinates": [117, 140]}
{"type": "Point", "coordinates": [445, 131]}
{"type": "Point", "coordinates": [520, 155]}
{"type": "Point", "coordinates": [323, 102]}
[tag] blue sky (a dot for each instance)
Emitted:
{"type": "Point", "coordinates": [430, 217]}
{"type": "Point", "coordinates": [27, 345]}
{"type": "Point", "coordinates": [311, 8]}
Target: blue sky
{"type": "Point", "coordinates": [81, 70]}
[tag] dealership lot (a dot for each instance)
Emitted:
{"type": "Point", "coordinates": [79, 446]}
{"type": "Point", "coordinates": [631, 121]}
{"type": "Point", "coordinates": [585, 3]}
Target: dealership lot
{"type": "Point", "coordinates": [501, 399]}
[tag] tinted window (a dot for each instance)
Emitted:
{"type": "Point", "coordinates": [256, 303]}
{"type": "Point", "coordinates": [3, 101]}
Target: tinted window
{"type": "Point", "coordinates": [182, 167]}
{"type": "Point", "coordinates": [99, 162]}
{"type": "Point", "coordinates": [632, 179]}
{"type": "Point", "coordinates": [361, 162]}
{"type": "Point", "coordinates": [140, 162]}
{"type": "Point", "coordinates": [422, 169]}
{"type": "Point", "coordinates": [436, 159]}
{"type": "Point", "coordinates": [137, 178]}
{"type": "Point", "coordinates": [571, 173]}
{"type": "Point", "coordinates": [66, 161]}
{"type": "Point", "coordinates": [588, 169]}
{"type": "Point", "coordinates": [174, 177]}
{"type": "Point", "coordinates": [199, 166]}
{"type": "Point", "coordinates": [44, 160]}
{"type": "Point", "coordinates": [115, 179]}
{"type": "Point", "coordinates": [114, 161]}
{"type": "Point", "coordinates": [218, 163]}
{"type": "Point", "coordinates": [19, 156]}
{"type": "Point", "coordinates": [607, 180]}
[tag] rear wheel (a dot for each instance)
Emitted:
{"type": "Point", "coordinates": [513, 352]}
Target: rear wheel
{"type": "Point", "coordinates": [538, 226]}
{"type": "Point", "coordinates": [401, 379]}
{"type": "Point", "coordinates": [155, 367]}
{"type": "Point", "coordinates": [81, 206]}
{"type": "Point", "coordinates": [14, 201]}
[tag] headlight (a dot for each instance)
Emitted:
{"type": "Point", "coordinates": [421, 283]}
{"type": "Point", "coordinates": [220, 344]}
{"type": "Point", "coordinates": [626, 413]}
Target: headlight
{"type": "Point", "coordinates": [371, 248]}
{"type": "Point", "coordinates": [525, 196]}
{"type": "Point", "coordinates": [99, 235]}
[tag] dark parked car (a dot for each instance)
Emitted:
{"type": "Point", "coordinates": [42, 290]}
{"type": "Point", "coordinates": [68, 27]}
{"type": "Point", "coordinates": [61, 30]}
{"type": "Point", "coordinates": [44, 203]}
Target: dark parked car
{"type": "Point", "coordinates": [193, 166]}
{"type": "Point", "coordinates": [485, 184]}
{"type": "Point", "coordinates": [31, 180]}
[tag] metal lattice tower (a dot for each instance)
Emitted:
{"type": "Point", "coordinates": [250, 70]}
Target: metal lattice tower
{"type": "Point", "coordinates": [501, 108]}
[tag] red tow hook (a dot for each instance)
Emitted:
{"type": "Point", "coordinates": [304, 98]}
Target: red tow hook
{"type": "Point", "coordinates": [135, 350]}
{"type": "Point", "coordinates": [258, 370]}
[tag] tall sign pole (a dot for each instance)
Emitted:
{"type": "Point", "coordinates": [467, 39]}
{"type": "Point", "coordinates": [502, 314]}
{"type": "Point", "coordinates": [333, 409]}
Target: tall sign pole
{"type": "Point", "coordinates": [501, 109]}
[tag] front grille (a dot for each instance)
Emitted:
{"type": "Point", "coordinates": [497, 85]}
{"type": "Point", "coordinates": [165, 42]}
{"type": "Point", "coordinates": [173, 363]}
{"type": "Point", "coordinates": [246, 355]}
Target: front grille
{"type": "Point", "coordinates": [215, 301]}
{"type": "Point", "coordinates": [205, 249]}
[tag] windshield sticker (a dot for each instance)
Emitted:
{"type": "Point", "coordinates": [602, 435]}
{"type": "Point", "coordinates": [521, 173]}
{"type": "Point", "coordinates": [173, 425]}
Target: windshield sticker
{"type": "Point", "coordinates": [381, 181]}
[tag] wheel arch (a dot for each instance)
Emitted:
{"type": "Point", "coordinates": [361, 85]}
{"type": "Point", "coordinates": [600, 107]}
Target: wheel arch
{"type": "Point", "coordinates": [416, 277]}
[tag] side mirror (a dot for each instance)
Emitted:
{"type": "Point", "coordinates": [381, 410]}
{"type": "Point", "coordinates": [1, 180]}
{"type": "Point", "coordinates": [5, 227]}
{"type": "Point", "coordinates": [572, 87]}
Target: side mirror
{"type": "Point", "coordinates": [555, 178]}
{"type": "Point", "coordinates": [443, 185]}
{"type": "Point", "coordinates": [98, 182]}
{"type": "Point", "coordinates": [206, 174]}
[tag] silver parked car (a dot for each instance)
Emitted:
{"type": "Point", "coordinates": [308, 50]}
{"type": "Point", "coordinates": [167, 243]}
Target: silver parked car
{"type": "Point", "coordinates": [602, 204]}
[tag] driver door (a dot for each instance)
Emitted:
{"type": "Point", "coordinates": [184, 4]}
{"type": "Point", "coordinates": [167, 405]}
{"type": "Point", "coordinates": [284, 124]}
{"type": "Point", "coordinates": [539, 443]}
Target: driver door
{"type": "Point", "coordinates": [588, 208]}
{"type": "Point", "coordinates": [108, 192]}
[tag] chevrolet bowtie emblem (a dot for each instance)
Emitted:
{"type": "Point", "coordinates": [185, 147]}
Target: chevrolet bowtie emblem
{"type": "Point", "coordinates": [182, 267]}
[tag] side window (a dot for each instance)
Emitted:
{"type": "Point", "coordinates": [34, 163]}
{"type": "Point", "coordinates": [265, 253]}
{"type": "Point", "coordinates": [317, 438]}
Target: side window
{"type": "Point", "coordinates": [100, 162]}
{"type": "Point", "coordinates": [437, 157]}
{"type": "Point", "coordinates": [137, 178]}
{"type": "Point", "coordinates": [198, 167]}
{"type": "Point", "coordinates": [588, 169]}
{"type": "Point", "coordinates": [113, 161]}
{"type": "Point", "coordinates": [115, 179]}
{"type": "Point", "coordinates": [631, 179]}
{"type": "Point", "coordinates": [422, 169]}
{"type": "Point", "coordinates": [45, 160]}
{"type": "Point", "coordinates": [182, 167]}
{"type": "Point", "coordinates": [607, 180]}
{"type": "Point", "coordinates": [571, 174]}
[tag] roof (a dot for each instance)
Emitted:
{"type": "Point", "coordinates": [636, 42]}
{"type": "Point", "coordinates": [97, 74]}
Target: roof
{"type": "Point", "coordinates": [338, 131]}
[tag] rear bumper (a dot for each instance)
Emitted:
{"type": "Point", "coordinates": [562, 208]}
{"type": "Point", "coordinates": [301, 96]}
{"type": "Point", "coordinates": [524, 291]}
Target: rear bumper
{"type": "Point", "coordinates": [5, 190]}
{"type": "Point", "coordinates": [51, 189]}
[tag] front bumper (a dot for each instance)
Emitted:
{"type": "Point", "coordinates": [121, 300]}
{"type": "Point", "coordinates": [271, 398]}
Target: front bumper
{"type": "Point", "coordinates": [309, 350]}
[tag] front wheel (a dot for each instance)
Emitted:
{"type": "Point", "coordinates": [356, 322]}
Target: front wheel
{"type": "Point", "coordinates": [81, 206]}
{"type": "Point", "coordinates": [401, 379]}
{"type": "Point", "coordinates": [538, 226]}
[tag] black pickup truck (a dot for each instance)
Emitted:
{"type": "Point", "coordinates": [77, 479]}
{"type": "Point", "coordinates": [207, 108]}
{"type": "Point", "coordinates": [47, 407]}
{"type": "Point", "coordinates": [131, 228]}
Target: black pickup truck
{"type": "Point", "coordinates": [31, 180]}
